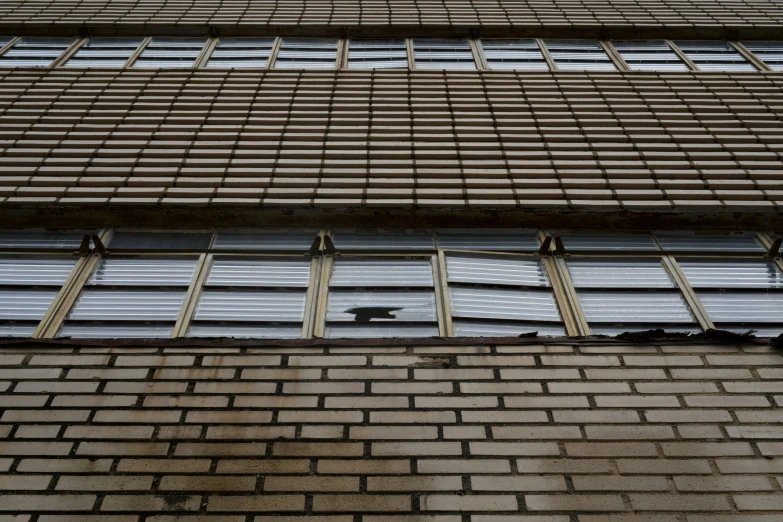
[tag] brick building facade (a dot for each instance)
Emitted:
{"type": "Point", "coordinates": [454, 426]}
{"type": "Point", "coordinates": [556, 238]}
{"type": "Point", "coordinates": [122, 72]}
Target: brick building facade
{"type": "Point", "coordinates": [389, 261]}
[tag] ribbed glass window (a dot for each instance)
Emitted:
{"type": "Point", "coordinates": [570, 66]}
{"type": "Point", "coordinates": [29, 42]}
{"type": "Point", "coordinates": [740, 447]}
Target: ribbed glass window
{"type": "Point", "coordinates": [35, 52]}
{"type": "Point", "coordinates": [579, 55]}
{"type": "Point", "coordinates": [507, 54]}
{"type": "Point", "coordinates": [771, 53]}
{"type": "Point", "coordinates": [307, 53]}
{"type": "Point", "coordinates": [253, 297]}
{"type": "Point", "coordinates": [443, 54]}
{"type": "Point", "coordinates": [381, 297]}
{"type": "Point", "coordinates": [738, 295]}
{"type": "Point", "coordinates": [164, 51]}
{"type": "Point", "coordinates": [715, 56]}
{"type": "Point", "coordinates": [491, 240]}
{"type": "Point", "coordinates": [43, 239]}
{"type": "Point", "coordinates": [716, 243]}
{"type": "Point", "coordinates": [126, 294]}
{"type": "Point", "coordinates": [619, 295]}
{"type": "Point", "coordinates": [241, 53]}
{"type": "Point", "coordinates": [126, 240]}
{"type": "Point", "coordinates": [287, 241]}
{"type": "Point", "coordinates": [608, 242]}
{"type": "Point", "coordinates": [495, 295]}
{"type": "Point", "coordinates": [649, 55]}
{"type": "Point", "coordinates": [104, 52]}
{"type": "Point", "coordinates": [380, 241]}
{"type": "Point", "coordinates": [377, 54]}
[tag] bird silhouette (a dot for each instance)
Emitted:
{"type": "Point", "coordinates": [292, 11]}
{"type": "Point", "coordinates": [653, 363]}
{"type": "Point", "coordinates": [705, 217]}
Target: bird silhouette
{"type": "Point", "coordinates": [364, 314]}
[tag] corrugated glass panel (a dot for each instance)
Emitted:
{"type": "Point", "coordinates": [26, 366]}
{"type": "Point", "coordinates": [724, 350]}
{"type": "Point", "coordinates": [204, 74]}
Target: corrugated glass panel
{"type": "Point", "coordinates": [506, 54]}
{"type": "Point", "coordinates": [743, 307]}
{"type": "Point", "coordinates": [634, 307]}
{"type": "Point", "coordinates": [23, 304]}
{"type": "Point", "coordinates": [259, 331]}
{"type": "Point", "coordinates": [709, 242]}
{"type": "Point", "coordinates": [715, 56]}
{"type": "Point", "coordinates": [160, 240]}
{"type": "Point", "coordinates": [771, 53]}
{"type": "Point", "coordinates": [251, 305]}
{"type": "Point", "coordinates": [275, 273]}
{"type": "Point", "coordinates": [35, 52]}
{"type": "Point", "coordinates": [299, 241]}
{"type": "Point", "coordinates": [163, 51]}
{"type": "Point", "coordinates": [144, 271]}
{"type": "Point", "coordinates": [609, 329]}
{"type": "Point", "coordinates": [70, 239]}
{"type": "Point", "coordinates": [491, 329]}
{"type": "Point", "coordinates": [579, 55]}
{"type": "Point", "coordinates": [358, 331]}
{"type": "Point", "coordinates": [509, 240]}
{"type": "Point", "coordinates": [759, 330]}
{"type": "Point", "coordinates": [307, 53]}
{"type": "Point", "coordinates": [443, 54]}
{"type": "Point", "coordinates": [17, 329]}
{"type": "Point", "coordinates": [649, 55]}
{"type": "Point", "coordinates": [511, 304]}
{"type": "Point", "coordinates": [98, 304]}
{"type": "Point", "coordinates": [358, 240]}
{"type": "Point", "coordinates": [104, 52]}
{"type": "Point", "coordinates": [613, 242]}
{"type": "Point", "coordinates": [364, 306]}
{"type": "Point", "coordinates": [116, 331]}
{"type": "Point", "coordinates": [241, 53]}
{"type": "Point", "coordinates": [641, 273]}
{"type": "Point", "coordinates": [724, 274]}
{"type": "Point", "coordinates": [506, 271]}
{"type": "Point", "coordinates": [374, 273]}
{"type": "Point", "coordinates": [35, 271]}
{"type": "Point", "coordinates": [377, 54]}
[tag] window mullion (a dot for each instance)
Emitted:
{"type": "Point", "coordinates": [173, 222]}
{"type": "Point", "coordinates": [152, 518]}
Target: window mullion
{"type": "Point", "coordinates": [749, 56]}
{"type": "Point", "coordinates": [10, 44]}
{"type": "Point", "coordinates": [273, 53]}
{"type": "Point", "coordinates": [69, 52]}
{"type": "Point", "coordinates": [55, 316]}
{"type": "Point", "coordinates": [682, 56]}
{"type": "Point", "coordinates": [442, 301]}
{"type": "Point", "coordinates": [618, 60]}
{"type": "Point", "coordinates": [192, 295]}
{"type": "Point", "coordinates": [206, 52]}
{"type": "Point", "coordinates": [323, 295]}
{"type": "Point", "coordinates": [137, 52]}
{"type": "Point", "coordinates": [561, 297]}
{"type": "Point", "coordinates": [569, 297]}
{"type": "Point", "coordinates": [688, 293]}
{"type": "Point", "coordinates": [411, 53]}
{"type": "Point", "coordinates": [545, 51]}
{"type": "Point", "coordinates": [478, 54]}
{"type": "Point", "coordinates": [311, 299]}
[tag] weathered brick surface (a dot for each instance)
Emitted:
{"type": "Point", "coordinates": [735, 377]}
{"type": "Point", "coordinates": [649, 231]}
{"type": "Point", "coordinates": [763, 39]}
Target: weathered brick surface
{"type": "Point", "coordinates": [415, 141]}
{"type": "Point", "coordinates": [648, 433]}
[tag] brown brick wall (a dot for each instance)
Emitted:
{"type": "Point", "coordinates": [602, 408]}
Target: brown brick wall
{"type": "Point", "coordinates": [392, 140]}
{"type": "Point", "coordinates": [585, 433]}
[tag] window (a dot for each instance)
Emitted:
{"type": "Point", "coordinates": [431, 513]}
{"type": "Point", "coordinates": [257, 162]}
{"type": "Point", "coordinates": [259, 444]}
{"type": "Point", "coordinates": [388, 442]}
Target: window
{"type": "Point", "coordinates": [377, 54]}
{"type": "Point", "coordinates": [443, 54]}
{"type": "Point", "coordinates": [253, 297]}
{"type": "Point", "coordinates": [170, 52]}
{"type": "Point", "coordinates": [523, 55]}
{"type": "Point", "coordinates": [381, 241]}
{"type": "Point", "coordinates": [104, 52]}
{"type": "Point", "coordinates": [579, 55]}
{"type": "Point", "coordinates": [35, 52]}
{"type": "Point", "coordinates": [283, 241]}
{"type": "Point", "coordinates": [715, 56]}
{"type": "Point", "coordinates": [771, 53]}
{"type": "Point", "coordinates": [387, 297]}
{"type": "Point", "coordinates": [241, 53]}
{"type": "Point", "coordinates": [649, 55]}
{"type": "Point", "coordinates": [492, 240]}
{"type": "Point", "coordinates": [307, 53]}
{"type": "Point", "coordinates": [717, 243]}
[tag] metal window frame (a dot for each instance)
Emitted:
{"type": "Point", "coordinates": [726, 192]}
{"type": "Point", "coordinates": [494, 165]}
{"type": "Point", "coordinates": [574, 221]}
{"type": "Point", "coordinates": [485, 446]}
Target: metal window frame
{"type": "Point", "coordinates": [757, 62]}
{"type": "Point", "coordinates": [57, 62]}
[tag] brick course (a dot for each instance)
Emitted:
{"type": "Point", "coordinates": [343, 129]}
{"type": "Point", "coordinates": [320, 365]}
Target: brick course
{"type": "Point", "coordinates": [683, 433]}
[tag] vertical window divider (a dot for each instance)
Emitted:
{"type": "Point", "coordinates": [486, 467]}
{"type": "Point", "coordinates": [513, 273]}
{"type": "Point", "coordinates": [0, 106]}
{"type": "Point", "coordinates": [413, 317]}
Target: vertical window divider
{"type": "Point", "coordinates": [767, 241]}
{"type": "Point", "coordinates": [323, 290]}
{"type": "Point", "coordinates": [69, 52]}
{"type": "Point", "coordinates": [442, 301]}
{"type": "Point", "coordinates": [478, 54]}
{"type": "Point", "coordinates": [687, 292]}
{"type": "Point", "coordinates": [55, 316]}
{"type": "Point", "coordinates": [411, 55]}
{"type": "Point", "coordinates": [342, 53]}
{"type": "Point", "coordinates": [682, 55]}
{"type": "Point", "coordinates": [133, 57]}
{"type": "Point", "coordinates": [561, 296]}
{"type": "Point", "coordinates": [273, 53]}
{"type": "Point", "coordinates": [206, 52]}
{"type": "Point", "coordinates": [569, 294]}
{"type": "Point", "coordinates": [548, 57]}
{"type": "Point", "coordinates": [618, 60]}
{"type": "Point", "coordinates": [311, 299]}
{"type": "Point", "coordinates": [10, 44]}
{"type": "Point", "coordinates": [749, 56]}
{"type": "Point", "coordinates": [192, 295]}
